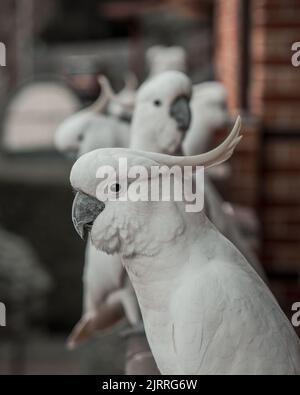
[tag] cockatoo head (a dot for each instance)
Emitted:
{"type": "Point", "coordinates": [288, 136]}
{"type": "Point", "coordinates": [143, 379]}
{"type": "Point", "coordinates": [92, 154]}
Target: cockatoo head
{"type": "Point", "coordinates": [117, 226]}
{"type": "Point", "coordinates": [162, 114]}
{"type": "Point", "coordinates": [71, 133]}
{"type": "Point", "coordinates": [160, 59]}
{"type": "Point", "coordinates": [125, 226]}
{"type": "Point", "coordinates": [116, 108]}
{"type": "Point", "coordinates": [209, 100]}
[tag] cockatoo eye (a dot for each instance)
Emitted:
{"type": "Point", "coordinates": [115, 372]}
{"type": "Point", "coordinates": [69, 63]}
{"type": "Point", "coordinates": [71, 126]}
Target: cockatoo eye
{"type": "Point", "coordinates": [115, 188]}
{"type": "Point", "coordinates": [157, 103]}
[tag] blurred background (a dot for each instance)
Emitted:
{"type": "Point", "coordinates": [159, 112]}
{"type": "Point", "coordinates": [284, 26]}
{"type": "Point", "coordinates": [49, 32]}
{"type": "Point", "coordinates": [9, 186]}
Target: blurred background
{"type": "Point", "coordinates": [55, 50]}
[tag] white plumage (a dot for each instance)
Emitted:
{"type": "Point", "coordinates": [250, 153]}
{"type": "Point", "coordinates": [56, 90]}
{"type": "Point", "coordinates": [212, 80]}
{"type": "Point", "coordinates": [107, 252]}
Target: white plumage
{"type": "Point", "coordinates": [205, 310]}
{"type": "Point", "coordinates": [90, 128]}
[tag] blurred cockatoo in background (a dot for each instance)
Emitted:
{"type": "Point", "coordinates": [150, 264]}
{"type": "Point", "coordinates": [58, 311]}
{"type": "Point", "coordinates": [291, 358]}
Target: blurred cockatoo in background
{"type": "Point", "coordinates": [160, 58]}
{"type": "Point", "coordinates": [92, 127]}
{"type": "Point", "coordinates": [205, 310]}
{"type": "Point", "coordinates": [209, 114]}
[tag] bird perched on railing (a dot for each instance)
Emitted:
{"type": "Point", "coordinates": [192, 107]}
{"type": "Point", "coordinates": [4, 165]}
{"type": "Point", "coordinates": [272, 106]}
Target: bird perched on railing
{"type": "Point", "coordinates": [205, 310]}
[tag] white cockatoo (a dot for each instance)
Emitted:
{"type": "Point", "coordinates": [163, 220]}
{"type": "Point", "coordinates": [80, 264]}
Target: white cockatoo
{"type": "Point", "coordinates": [161, 118]}
{"type": "Point", "coordinates": [160, 59]}
{"type": "Point", "coordinates": [210, 113]}
{"type": "Point", "coordinates": [126, 95]}
{"type": "Point", "coordinates": [205, 310]}
{"type": "Point", "coordinates": [162, 113]}
{"type": "Point", "coordinates": [103, 274]}
{"type": "Point", "coordinates": [91, 127]}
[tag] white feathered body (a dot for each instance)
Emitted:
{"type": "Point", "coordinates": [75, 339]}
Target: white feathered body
{"type": "Point", "coordinates": [206, 311]}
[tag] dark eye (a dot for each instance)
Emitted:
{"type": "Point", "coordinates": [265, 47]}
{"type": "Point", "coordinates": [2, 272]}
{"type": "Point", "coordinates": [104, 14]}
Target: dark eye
{"type": "Point", "coordinates": [157, 103]}
{"type": "Point", "coordinates": [80, 137]}
{"type": "Point", "coordinates": [115, 188]}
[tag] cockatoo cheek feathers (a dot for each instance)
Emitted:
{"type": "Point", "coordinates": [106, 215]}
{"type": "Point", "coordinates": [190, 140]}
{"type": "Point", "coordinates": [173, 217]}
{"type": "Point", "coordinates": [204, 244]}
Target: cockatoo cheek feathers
{"type": "Point", "coordinates": [131, 228]}
{"type": "Point", "coordinates": [117, 229]}
{"type": "Point", "coordinates": [105, 231]}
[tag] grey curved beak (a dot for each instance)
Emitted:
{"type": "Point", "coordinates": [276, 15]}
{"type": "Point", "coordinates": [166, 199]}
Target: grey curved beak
{"type": "Point", "coordinates": [181, 112]}
{"type": "Point", "coordinates": [84, 212]}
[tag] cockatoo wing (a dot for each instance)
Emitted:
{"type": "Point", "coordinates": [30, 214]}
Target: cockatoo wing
{"type": "Point", "coordinates": [239, 329]}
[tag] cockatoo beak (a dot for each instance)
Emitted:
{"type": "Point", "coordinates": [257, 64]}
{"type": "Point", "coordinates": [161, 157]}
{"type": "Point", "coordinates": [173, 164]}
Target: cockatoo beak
{"type": "Point", "coordinates": [84, 212]}
{"type": "Point", "coordinates": [181, 112]}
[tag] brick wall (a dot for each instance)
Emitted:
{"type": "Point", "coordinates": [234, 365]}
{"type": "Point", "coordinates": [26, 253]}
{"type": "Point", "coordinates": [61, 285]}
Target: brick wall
{"type": "Point", "coordinates": [244, 181]}
{"type": "Point", "coordinates": [226, 48]}
{"type": "Point", "coordinates": [275, 94]}
{"type": "Point", "coordinates": [274, 99]}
